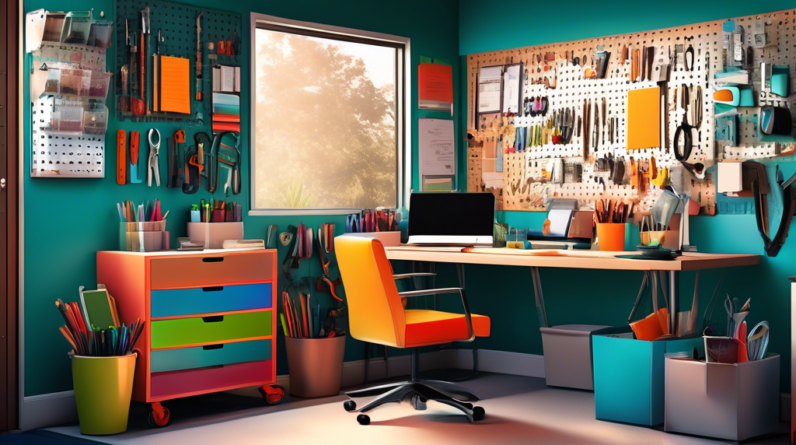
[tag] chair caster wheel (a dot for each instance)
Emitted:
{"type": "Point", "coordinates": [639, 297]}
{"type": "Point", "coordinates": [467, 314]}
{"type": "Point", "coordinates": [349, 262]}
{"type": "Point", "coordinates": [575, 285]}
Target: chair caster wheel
{"type": "Point", "coordinates": [350, 405]}
{"type": "Point", "coordinates": [478, 413]}
{"type": "Point", "coordinates": [363, 419]}
{"type": "Point", "coordinates": [467, 405]}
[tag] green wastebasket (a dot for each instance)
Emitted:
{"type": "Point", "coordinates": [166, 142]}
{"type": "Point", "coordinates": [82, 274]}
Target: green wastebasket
{"type": "Point", "coordinates": [103, 387]}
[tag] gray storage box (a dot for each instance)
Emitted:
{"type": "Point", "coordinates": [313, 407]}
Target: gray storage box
{"type": "Point", "coordinates": [725, 401]}
{"type": "Point", "coordinates": [567, 355]}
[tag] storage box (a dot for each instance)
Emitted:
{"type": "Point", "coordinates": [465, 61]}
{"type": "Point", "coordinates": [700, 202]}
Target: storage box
{"type": "Point", "coordinates": [212, 235]}
{"type": "Point", "coordinates": [725, 401]}
{"type": "Point", "coordinates": [567, 355]}
{"type": "Point", "coordinates": [629, 375]}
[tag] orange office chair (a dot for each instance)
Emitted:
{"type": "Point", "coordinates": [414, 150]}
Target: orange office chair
{"type": "Point", "coordinates": [377, 315]}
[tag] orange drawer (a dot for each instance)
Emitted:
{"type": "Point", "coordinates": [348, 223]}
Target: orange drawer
{"type": "Point", "coordinates": [211, 270]}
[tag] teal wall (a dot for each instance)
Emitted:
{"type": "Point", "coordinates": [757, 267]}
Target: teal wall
{"type": "Point", "coordinates": [592, 297]}
{"type": "Point", "coordinates": [67, 221]}
{"type": "Point", "coordinates": [488, 26]}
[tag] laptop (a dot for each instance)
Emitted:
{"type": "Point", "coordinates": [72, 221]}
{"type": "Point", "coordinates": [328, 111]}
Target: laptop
{"type": "Point", "coordinates": [451, 219]}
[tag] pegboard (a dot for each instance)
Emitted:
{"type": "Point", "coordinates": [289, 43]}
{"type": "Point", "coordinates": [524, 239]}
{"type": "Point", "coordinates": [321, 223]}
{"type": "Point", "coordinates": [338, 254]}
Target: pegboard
{"type": "Point", "coordinates": [566, 88]}
{"type": "Point", "coordinates": [177, 25]}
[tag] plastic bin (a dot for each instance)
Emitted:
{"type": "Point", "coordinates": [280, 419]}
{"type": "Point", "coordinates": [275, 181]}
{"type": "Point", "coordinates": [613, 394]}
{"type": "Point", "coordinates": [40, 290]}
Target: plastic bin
{"type": "Point", "coordinates": [725, 401]}
{"type": "Point", "coordinates": [212, 235]}
{"type": "Point", "coordinates": [629, 375]}
{"type": "Point", "coordinates": [567, 355]}
{"type": "Point", "coordinates": [103, 386]}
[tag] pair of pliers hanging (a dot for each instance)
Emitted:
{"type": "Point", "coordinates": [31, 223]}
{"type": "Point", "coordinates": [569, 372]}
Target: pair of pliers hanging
{"type": "Point", "coordinates": [684, 129]}
{"type": "Point", "coordinates": [689, 52]}
{"type": "Point", "coordinates": [153, 166]}
{"type": "Point", "coordinates": [352, 223]}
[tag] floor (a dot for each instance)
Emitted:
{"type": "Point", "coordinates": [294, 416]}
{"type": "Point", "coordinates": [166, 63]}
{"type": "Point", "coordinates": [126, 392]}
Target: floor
{"type": "Point", "coordinates": [519, 410]}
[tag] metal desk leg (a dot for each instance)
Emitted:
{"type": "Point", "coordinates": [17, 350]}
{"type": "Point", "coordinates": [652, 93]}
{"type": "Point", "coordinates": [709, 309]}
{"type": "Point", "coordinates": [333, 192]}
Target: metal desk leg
{"type": "Point", "coordinates": [539, 297]}
{"type": "Point", "coordinates": [674, 300]}
{"type": "Point", "coordinates": [460, 276]}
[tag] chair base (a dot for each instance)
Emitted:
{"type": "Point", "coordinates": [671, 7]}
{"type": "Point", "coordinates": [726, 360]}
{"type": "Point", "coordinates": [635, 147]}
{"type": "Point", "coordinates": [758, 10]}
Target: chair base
{"type": "Point", "coordinates": [417, 393]}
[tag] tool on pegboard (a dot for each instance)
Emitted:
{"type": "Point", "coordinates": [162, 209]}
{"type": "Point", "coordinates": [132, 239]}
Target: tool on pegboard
{"type": "Point", "coordinates": [199, 76]}
{"type": "Point", "coordinates": [135, 165]}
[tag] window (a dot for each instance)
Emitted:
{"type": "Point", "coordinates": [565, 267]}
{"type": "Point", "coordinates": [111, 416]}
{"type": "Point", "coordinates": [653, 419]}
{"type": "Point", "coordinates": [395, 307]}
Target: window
{"type": "Point", "coordinates": [328, 118]}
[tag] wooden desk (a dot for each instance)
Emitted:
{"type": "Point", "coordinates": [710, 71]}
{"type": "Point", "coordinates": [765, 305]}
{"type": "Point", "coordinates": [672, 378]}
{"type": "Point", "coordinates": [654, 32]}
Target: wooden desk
{"type": "Point", "coordinates": [577, 260]}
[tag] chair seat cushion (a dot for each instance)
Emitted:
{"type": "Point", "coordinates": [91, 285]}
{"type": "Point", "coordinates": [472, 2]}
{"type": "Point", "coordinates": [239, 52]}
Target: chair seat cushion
{"type": "Point", "coordinates": [426, 327]}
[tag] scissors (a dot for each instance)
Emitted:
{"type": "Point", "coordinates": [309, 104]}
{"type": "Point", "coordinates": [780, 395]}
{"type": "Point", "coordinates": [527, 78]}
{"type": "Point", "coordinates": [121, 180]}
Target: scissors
{"type": "Point", "coordinates": [684, 129]}
{"type": "Point", "coordinates": [351, 223]}
{"type": "Point", "coordinates": [153, 168]}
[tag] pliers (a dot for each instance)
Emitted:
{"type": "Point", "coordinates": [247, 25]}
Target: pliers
{"type": "Point", "coordinates": [153, 167]}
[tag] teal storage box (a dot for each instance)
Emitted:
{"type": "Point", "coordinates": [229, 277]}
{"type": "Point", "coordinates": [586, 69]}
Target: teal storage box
{"type": "Point", "coordinates": [629, 375]}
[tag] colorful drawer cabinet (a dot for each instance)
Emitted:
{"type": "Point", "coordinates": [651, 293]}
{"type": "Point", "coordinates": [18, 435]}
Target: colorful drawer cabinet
{"type": "Point", "coordinates": [210, 320]}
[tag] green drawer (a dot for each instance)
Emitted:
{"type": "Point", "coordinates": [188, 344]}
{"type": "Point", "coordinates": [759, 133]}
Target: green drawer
{"type": "Point", "coordinates": [215, 329]}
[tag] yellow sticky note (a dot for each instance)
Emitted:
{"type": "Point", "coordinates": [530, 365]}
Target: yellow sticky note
{"type": "Point", "coordinates": [644, 118]}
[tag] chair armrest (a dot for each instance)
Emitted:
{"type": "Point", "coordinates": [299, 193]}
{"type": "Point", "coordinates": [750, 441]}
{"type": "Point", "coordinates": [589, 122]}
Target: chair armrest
{"type": "Point", "coordinates": [402, 276]}
{"type": "Point", "coordinates": [443, 291]}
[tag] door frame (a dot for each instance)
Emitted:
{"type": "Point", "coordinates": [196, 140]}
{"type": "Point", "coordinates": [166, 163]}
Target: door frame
{"type": "Point", "coordinates": [11, 52]}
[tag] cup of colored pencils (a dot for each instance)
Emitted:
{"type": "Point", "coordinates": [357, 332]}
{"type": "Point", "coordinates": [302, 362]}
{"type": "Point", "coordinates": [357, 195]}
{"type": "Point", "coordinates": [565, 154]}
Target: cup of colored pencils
{"type": "Point", "coordinates": [103, 367]}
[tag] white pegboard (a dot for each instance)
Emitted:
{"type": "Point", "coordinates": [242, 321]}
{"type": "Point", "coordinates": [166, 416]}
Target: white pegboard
{"type": "Point", "coordinates": [56, 154]}
{"type": "Point", "coordinates": [572, 88]}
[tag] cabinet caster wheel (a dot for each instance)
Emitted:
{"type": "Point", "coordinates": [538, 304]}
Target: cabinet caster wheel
{"type": "Point", "coordinates": [272, 394]}
{"type": "Point", "coordinates": [478, 413]}
{"type": "Point", "coordinates": [158, 415]}
{"type": "Point", "coordinates": [363, 419]}
{"type": "Point", "coordinates": [350, 405]}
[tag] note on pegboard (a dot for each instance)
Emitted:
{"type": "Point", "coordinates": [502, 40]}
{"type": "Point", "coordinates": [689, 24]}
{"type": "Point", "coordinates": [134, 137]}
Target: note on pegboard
{"type": "Point", "coordinates": [177, 24]}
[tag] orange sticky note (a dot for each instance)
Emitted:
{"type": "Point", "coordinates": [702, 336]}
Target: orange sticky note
{"type": "Point", "coordinates": [174, 83]}
{"type": "Point", "coordinates": [644, 118]}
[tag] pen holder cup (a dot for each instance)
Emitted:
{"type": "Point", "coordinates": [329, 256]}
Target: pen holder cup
{"type": "Point", "coordinates": [316, 365]}
{"type": "Point", "coordinates": [103, 387]}
{"type": "Point", "coordinates": [668, 239]}
{"type": "Point", "coordinates": [611, 236]}
{"type": "Point", "coordinates": [143, 236]}
{"type": "Point", "coordinates": [212, 235]}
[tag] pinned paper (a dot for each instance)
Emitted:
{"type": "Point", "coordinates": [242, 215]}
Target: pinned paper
{"type": "Point", "coordinates": [435, 85]}
{"type": "Point", "coordinates": [644, 118]}
{"type": "Point", "coordinates": [34, 29]}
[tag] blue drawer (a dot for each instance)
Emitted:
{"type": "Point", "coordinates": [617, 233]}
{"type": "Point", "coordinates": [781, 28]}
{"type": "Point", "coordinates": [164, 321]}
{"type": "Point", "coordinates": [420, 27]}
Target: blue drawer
{"type": "Point", "coordinates": [207, 300]}
{"type": "Point", "coordinates": [213, 355]}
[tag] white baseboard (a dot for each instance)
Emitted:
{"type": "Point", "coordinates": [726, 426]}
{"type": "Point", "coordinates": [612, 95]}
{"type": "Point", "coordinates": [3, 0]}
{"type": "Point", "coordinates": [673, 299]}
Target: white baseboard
{"type": "Point", "coordinates": [47, 410]}
{"type": "Point", "coordinates": [59, 408]}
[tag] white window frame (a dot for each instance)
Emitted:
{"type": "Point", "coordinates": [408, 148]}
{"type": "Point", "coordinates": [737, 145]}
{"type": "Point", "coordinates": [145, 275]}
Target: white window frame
{"type": "Point", "coordinates": [402, 112]}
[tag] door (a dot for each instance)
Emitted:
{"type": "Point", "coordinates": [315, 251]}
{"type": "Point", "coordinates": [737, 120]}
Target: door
{"type": "Point", "coordinates": [9, 126]}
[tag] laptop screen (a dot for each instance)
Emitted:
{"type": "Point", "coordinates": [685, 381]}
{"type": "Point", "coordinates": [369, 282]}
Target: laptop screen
{"type": "Point", "coordinates": [451, 214]}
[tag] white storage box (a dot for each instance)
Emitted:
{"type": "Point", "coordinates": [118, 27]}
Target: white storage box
{"type": "Point", "coordinates": [725, 401]}
{"type": "Point", "coordinates": [567, 355]}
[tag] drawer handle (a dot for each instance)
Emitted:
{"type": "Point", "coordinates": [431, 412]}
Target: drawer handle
{"type": "Point", "coordinates": [211, 347]}
{"type": "Point", "coordinates": [213, 319]}
{"type": "Point", "coordinates": [213, 259]}
{"type": "Point", "coordinates": [213, 289]}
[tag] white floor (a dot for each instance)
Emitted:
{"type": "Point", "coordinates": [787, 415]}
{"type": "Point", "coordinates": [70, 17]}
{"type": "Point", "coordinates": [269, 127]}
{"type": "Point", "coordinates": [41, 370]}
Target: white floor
{"type": "Point", "coordinates": [519, 410]}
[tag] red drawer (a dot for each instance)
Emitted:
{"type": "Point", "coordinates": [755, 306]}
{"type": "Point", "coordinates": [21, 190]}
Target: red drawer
{"type": "Point", "coordinates": [217, 378]}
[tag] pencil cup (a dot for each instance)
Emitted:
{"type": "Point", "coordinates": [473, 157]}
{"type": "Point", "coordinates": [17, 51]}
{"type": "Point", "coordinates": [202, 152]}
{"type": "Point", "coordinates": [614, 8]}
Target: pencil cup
{"type": "Point", "coordinates": [315, 365]}
{"type": "Point", "coordinates": [103, 386]}
{"type": "Point", "coordinates": [611, 236]}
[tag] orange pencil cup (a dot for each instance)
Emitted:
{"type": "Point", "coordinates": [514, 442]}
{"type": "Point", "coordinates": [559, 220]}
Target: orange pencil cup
{"type": "Point", "coordinates": [611, 236]}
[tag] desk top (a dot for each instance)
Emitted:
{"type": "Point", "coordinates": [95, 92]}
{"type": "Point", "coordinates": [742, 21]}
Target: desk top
{"type": "Point", "coordinates": [570, 259]}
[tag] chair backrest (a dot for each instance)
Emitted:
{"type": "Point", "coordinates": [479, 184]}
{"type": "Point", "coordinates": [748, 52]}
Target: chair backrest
{"type": "Point", "coordinates": [376, 314]}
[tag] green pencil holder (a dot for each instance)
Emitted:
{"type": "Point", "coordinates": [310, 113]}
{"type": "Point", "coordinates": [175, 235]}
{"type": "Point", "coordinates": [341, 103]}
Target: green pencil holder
{"type": "Point", "coordinates": [103, 387]}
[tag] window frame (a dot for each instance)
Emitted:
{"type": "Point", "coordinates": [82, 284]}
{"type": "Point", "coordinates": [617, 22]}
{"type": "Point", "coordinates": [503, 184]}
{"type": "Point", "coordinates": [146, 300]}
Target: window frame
{"type": "Point", "coordinates": [403, 119]}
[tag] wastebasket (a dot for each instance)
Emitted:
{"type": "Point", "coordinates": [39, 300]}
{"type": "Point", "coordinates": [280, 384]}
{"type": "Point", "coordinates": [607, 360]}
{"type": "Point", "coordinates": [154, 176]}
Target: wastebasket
{"type": "Point", "coordinates": [315, 365]}
{"type": "Point", "coordinates": [103, 386]}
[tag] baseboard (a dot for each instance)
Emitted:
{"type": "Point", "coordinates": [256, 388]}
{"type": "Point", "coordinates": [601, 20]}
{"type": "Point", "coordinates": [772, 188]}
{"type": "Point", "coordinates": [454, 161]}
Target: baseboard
{"type": "Point", "coordinates": [54, 409]}
{"type": "Point", "coordinates": [47, 410]}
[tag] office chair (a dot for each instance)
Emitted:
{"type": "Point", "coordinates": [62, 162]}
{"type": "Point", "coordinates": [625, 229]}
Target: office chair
{"type": "Point", "coordinates": [377, 315]}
